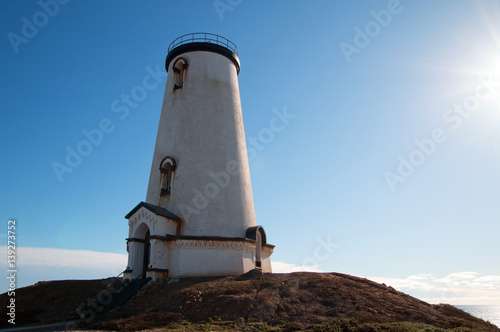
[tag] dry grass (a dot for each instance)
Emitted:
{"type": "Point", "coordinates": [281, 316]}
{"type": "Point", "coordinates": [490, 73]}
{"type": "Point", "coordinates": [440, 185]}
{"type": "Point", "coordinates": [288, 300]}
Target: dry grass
{"type": "Point", "coordinates": [290, 302]}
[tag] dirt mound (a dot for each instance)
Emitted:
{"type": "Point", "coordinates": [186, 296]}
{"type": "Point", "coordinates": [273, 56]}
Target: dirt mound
{"type": "Point", "coordinates": [277, 299]}
{"type": "Point", "coordinates": [51, 301]}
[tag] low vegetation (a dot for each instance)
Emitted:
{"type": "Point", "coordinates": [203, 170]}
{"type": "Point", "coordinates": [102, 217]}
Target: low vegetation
{"type": "Point", "coordinates": [252, 302]}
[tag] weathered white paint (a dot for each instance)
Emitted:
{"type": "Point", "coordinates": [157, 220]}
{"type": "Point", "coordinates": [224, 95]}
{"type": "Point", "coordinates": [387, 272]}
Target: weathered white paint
{"type": "Point", "coordinates": [157, 225]}
{"type": "Point", "coordinates": [207, 258]}
{"type": "Point", "coordinates": [201, 127]}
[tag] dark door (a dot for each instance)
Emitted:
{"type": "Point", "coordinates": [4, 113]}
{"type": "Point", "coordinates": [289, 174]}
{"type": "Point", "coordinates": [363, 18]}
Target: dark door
{"type": "Point", "coordinates": [145, 261]}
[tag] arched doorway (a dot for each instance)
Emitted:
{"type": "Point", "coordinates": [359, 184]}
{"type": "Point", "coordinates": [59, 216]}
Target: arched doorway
{"type": "Point", "coordinates": [143, 251]}
{"type": "Point", "coordinates": [146, 256]}
{"type": "Point", "coordinates": [257, 234]}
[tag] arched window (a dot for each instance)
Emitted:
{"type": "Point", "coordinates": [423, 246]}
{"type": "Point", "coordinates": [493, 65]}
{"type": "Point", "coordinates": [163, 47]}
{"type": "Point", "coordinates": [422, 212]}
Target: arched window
{"type": "Point", "coordinates": [167, 168]}
{"type": "Point", "coordinates": [179, 68]}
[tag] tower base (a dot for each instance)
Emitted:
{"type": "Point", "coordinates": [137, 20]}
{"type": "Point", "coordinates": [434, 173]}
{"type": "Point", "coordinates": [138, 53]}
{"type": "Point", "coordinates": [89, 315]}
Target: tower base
{"type": "Point", "coordinates": [157, 250]}
{"type": "Point", "coordinates": [186, 256]}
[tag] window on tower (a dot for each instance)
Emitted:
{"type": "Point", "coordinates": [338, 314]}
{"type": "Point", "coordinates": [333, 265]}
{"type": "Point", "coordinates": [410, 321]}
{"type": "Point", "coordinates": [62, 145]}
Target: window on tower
{"type": "Point", "coordinates": [167, 168]}
{"type": "Point", "coordinates": [179, 68]}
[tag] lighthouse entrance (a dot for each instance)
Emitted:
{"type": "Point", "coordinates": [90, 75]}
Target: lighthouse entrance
{"type": "Point", "coordinates": [142, 251]}
{"type": "Point", "coordinates": [146, 255]}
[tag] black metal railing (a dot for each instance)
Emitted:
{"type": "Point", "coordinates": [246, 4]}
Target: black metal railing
{"type": "Point", "coordinates": [203, 37]}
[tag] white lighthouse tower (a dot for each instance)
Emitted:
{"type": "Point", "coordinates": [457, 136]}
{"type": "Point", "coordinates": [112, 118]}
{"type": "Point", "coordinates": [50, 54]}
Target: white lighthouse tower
{"type": "Point", "coordinates": [198, 218]}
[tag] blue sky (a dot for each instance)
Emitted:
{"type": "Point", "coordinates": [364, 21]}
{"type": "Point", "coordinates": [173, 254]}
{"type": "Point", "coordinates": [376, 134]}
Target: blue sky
{"type": "Point", "coordinates": [388, 168]}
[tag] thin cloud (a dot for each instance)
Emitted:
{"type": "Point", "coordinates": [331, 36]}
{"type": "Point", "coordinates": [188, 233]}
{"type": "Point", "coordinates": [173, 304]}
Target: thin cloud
{"type": "Point", "coordinates": [43, 264]}
{"type": "Point", "coordinates": [282, 267]}
{"type": "Point", "coordinates": [51, 257]}
{"type": "Point", "coordinates": [468, 288]}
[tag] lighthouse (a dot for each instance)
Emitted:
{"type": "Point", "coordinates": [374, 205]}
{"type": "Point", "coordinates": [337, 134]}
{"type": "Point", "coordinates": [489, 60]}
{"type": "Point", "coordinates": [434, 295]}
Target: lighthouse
{"type": "Point", "coordinates": [198, 218]}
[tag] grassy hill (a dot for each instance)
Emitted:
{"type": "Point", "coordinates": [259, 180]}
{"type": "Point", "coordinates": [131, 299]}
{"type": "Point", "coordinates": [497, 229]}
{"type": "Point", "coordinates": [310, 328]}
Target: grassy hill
{"type": "Point", "coordinates": [295, 301]}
